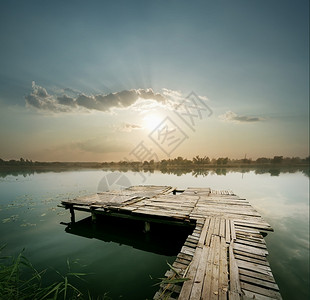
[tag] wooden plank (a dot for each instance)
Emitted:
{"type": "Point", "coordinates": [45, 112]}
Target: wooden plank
{"type": "Point", "coordinates": [223, 273]}
{"type": "Point", "coordinates": [203, 234]}
{"type": "Point", "coordinates": [262, 225]}
{"type": "Point", "coordinates": [250, 237]}
{"type": "Point", "coordinates": [252, 255]}
{"type": "Point", "coordinates": [190, 244]}
{"type": "Point", "coordinates": [187, 250]}
{"type": "Point", "coordinates": [251, 295]}
{"type": "Point", "coordinates": [250, 249]}
{"type": "Point", "coordinates": [206, 289]}
{"type": "Point", "coordinates": [159, 296]}
{"type": "Point", "coordinates": [257, 275]}
{"type": "Point", "coordinates": [233, 272]}
{"type": "Point", "coordinates": [210, 231]}
{"type": "Point", "coordinates": [170, 273]}
{"type": "Point", "coordinates": [254, 244]}
{"type": "Point", "coordinates": [227, 233]}
{"type": "Point", "coordinates": [185, 256]}
{"type": "Point", "coordinates": [179, 265]}
{"type": "Point", "coordinates": [182, 261]}
{"type": "Point", "coordinates": [233, 296]}
{"type": "Point", "coordinates": [187, 285]}
{"type": "Point", "coordinates": [251, 266]}
{"type": "Point", "coordinates": [259, 282]}
{"type": "Point", "coordinates": [216, 229]}
{"type": "Point", "coordinates": [199, 278]}
{"type": "Point", "coordinates": [192, 240]}
{"type": "Point", "coordinates": [250, 259]}
{"type": "Point", "coordinates": [215, 270]}
{"type": "Point", "coordinates": [249, 231]}
{"type": "Point", "coordinates": [261, 291]}
{"type": "Point", "coordinates": [222, 227]}
{"type": "Point", "coordinates": [232, 230]}
{"type": "Point", "coordinates": [171, 287]}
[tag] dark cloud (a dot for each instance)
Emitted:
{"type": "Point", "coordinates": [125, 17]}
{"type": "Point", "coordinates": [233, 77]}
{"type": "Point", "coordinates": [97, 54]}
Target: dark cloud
{"type": "Point", "coordinates": [66, 100]}
{"type": "Point", "coordinates": [230, 116]}
{"type": "Point", "coordinates": [41, 100]}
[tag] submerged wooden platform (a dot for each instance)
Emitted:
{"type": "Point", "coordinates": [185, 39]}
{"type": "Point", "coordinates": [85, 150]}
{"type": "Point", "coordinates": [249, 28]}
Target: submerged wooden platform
{"type": "Point", "coordinates": [223, 258]}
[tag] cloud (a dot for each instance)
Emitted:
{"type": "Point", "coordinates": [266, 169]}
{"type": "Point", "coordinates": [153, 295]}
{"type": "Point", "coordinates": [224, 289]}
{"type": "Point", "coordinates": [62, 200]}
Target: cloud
{"type": "Point", "coordinates": [42, 101]}
{"type": "Point", "coordinates": [100, 145]}
{"type": "Point", "coordinates": [230, 116]}
{"type": "Point", "coordinates": [128, 127]}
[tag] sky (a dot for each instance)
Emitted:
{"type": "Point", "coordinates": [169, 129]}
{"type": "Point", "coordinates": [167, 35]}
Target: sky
{"type": "Point", "coordinates": [141, 80]}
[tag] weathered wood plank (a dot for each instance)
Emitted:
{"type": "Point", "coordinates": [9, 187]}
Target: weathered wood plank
{"type": "Point", "coordinates": [250, 249]}
{"type": "Point", "coordinates": [227, 224]}
{"type": "Point", "coordinates": [210, 232]}
{"type": "Point", "coordinates": [232, 230]}
{"type": "Point", "coordinates": [261, 291]}
{"type": "Point", "coordinates": [254, 244]}
{"type": "Point", "coordinates": [254, 274]}
{"type": "Point", "coordinates": [251, 295]}
{"type": "Point", "coordinates": [200, 274]}
{"type": "Point", "coordinates": [206, 288]}
{"type": "Point", "coordinates": [250, 259]}
{"type": "Point", "coordinates": [233, 272]}
{"type": "Point", "coordinates": [203, 234]}
{"type": "Point", "coordinates": [223, 273]}
{"type": "Point", "coordinates": [215, 269]}
{"type": "Point", "coordinates": [187, 286]}
{"type": "Point", "coordinates": [222, 227]}
{"type": "Point", "coordinates": [259, 282]}
{"type": "Point", "coordinates": [250, 266]}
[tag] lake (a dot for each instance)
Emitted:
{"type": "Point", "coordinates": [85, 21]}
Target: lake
{"type": "Point", "coordinates": [125, 264]}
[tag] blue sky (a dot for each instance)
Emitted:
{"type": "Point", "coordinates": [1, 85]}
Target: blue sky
{"type": "Point", "coordinates": [248, 58]}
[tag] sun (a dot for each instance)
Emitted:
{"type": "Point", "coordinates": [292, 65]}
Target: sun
{"type": "Point", "coordinates": [151, 121]}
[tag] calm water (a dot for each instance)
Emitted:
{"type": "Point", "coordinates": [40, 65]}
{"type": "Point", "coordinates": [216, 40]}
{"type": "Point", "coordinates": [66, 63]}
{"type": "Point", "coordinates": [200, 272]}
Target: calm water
{"type": "Point", "coordinates": [123, 265]}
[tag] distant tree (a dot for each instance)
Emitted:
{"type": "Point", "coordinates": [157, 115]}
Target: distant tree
{"type": "Point", "coordinates": [206, 160]}
{"type": "Point", "coordinates": [263, 160]}
{"type": "Point", "coordinates": [201, 160]}
{"type": "Point", "coordinates": [164, 162]}
{"type": "Point", "coordinates": [222, 161]}
{"type": "Point", "coordinates": [277, 159]}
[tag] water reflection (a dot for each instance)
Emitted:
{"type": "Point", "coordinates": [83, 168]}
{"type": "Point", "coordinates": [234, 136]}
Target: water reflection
{"type": "Point", "coordinates": [162, 239]}
{"type": "Point", "coordinates": [179, 171]}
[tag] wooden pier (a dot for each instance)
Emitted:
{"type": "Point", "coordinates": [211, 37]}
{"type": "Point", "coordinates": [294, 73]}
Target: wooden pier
{"type": "Point", "coordinates": [223, 258]}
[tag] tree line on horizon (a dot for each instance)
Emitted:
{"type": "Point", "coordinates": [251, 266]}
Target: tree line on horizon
{"type": "Point", "coordinates": [178, 161]}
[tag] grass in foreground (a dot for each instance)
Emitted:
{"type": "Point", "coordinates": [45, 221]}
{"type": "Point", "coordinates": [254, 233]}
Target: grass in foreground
{"type": "Point", "coordinates": [19, 280]}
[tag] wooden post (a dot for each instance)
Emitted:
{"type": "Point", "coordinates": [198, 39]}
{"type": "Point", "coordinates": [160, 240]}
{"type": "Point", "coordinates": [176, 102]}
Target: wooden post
{"type": "Point", "coordinates": [93, 216]}
{"type": "Point", "coordinates": [72, 214]}
{"type": "Point", "coordinates": [147, 227]}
